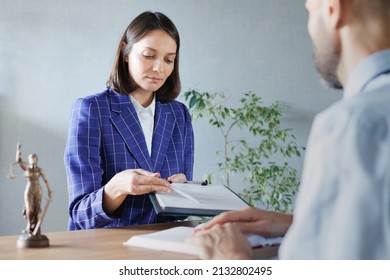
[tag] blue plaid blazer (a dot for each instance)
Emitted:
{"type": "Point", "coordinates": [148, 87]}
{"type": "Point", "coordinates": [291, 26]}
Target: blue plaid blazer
{"type": "Point", "coordinates": [105, 137]}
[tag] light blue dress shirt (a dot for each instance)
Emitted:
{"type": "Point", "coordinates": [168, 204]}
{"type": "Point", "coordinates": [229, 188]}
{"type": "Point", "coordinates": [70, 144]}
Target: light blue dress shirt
{"type": "Point", "coordinates": [343, 207]}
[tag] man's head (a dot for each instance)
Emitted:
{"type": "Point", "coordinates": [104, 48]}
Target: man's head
{"type": "Point", "coordinates": [345, 31]}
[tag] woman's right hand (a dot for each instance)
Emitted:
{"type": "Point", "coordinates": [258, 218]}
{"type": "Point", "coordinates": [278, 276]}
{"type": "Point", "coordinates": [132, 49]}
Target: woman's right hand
{"type": "Point", "coordinates": [132, 182]}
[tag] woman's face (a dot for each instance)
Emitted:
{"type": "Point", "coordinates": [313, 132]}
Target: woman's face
{"type": "Point", "coordinates": [151, 60]}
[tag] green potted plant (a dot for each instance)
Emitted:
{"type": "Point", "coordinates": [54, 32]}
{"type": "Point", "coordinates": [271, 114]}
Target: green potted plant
{"type": "Point", "coordinates": [272, 184]}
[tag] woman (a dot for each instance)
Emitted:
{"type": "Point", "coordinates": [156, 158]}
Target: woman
{"type": "Point", "coordinates": [129, 140]}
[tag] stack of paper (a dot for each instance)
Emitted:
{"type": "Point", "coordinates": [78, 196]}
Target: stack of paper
{"type": "Point", "coordinates": [173, 240]}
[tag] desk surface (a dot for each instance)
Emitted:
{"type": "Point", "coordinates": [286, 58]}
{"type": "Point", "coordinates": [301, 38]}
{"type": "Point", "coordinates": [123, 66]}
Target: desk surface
{"type": "Point", "coordinates": [101, 244]}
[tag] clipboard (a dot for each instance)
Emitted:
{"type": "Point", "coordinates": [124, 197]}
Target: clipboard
{"type": "Point", "coordinates": [189, 199]}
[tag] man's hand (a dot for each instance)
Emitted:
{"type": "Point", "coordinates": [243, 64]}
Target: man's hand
{"type": "Point", "coordinates": [256, 221]}
{"type": "Point", "coordinates": [221, 242]}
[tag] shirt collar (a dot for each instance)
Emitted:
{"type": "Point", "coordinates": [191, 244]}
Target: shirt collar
{"type": "Point", "coordinates": [366, 71]}
{"type": "Point", "coordinates": [141, 109]}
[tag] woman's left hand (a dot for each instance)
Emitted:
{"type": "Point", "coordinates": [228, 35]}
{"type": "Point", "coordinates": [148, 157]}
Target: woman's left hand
{"type": "Point", "coordinates": [177, 178]}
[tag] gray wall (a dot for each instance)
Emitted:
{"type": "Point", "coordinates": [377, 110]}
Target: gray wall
{"type": "Point", "coordinates": [52, 52]}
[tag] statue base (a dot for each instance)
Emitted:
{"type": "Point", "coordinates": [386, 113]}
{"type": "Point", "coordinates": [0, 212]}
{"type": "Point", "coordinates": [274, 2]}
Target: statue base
{"type": "Point", "coordinates": [32, 241]}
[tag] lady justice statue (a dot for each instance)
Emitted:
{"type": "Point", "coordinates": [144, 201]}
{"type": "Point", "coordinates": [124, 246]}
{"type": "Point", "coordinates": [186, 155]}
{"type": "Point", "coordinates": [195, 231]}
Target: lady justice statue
{"type": "Point", "coordinates": [31, 236]}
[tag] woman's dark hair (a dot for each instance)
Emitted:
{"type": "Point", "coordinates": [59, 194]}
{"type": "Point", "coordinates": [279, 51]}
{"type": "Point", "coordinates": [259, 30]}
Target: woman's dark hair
{"type": "Point", "coordinates": [120, 79]}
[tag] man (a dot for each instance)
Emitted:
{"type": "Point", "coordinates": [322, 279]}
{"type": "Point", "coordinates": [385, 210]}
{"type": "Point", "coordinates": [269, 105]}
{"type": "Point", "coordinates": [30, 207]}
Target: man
{"type": "Point", "coordinates": [343, 208]}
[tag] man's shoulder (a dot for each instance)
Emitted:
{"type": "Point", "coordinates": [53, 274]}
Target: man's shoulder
{"type": "Point", "coordinates": [368, 99]}
{"type": "Point", "coordinates": [366, 109]}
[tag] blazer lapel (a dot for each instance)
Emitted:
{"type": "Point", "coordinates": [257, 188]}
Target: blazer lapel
{"type": "Point", "coordinates": [125, 120]}
{"type": "Point", "coordinates": [163, 129]}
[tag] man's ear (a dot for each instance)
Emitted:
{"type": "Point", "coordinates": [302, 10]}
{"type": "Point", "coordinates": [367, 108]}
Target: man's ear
{"type": "Point", "coordinates": [336, 12]}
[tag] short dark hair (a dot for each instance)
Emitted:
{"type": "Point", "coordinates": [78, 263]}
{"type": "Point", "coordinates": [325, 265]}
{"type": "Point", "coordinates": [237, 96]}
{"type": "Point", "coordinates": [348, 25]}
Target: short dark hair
{"type": "Point", "coordinates": [120, 79]}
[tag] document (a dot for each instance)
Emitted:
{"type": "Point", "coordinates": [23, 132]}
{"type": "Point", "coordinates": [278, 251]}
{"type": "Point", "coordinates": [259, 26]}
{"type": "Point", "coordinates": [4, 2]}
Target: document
{"type": "Point", "coordinates": [196, 200]}
{"type": "Point", "coordinates": [173, 240]}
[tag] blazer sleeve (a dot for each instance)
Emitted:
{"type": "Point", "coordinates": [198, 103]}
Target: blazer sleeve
{"type": "Point", "coordinates": [188, 145]}
{"type": "Point", "coordinates": [83, 167]}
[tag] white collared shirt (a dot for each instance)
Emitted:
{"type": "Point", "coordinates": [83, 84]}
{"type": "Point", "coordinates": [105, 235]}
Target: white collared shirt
{"type": "Point", "coordinates": [146, 118]}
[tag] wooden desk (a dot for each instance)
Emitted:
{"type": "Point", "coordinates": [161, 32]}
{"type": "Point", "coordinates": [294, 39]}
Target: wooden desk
{"type": "Point", "coordinates": [101, 244]}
